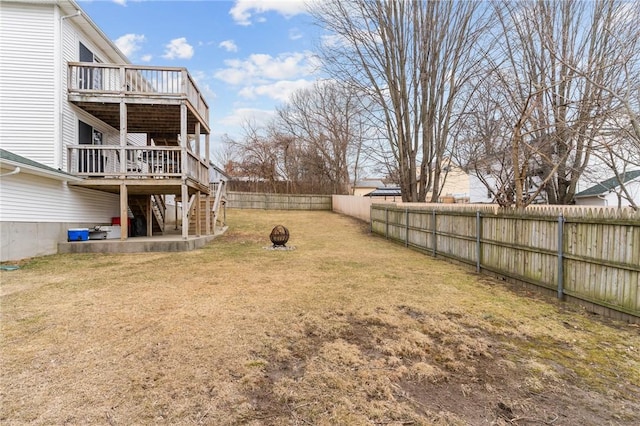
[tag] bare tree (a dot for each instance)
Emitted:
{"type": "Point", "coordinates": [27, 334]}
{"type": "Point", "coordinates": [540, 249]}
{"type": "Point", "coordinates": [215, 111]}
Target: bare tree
{"type": "Point", "coordinates": [412, 57]}
{"type": "Point", "coordinates": [619, 153]}
{"type": "Point", "coordinates": [483, 149]}
{"type": "Point", "coordinates": [226, 154]}
{"type": "Point", "coordinates": [553, 61]}
{"type": "Point", "coordinates": [618, 147]}
{"type": "Point", "coordinates": [327, 123]}
{"type": "Point", "coordinates": [256, 156]}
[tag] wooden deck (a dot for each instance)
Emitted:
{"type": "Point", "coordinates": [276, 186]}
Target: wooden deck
{"type": "Point", "coordinates": [145, 170]}
{"type": "Point", "coordinates": [162, 103]}
{"type": "Point", "coordinates": [153, 96]}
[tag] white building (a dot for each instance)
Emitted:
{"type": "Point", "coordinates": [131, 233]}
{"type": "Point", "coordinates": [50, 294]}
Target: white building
{"type": "Point", "coordinates": [85, 135]}
{"type": "Point", "coordinates": [610, 192]}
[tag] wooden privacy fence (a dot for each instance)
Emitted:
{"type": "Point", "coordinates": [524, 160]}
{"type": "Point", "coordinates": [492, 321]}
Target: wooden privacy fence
{"type": "Point", "coordinates": [265, 201]}
{"type": "Point", "coordinates": [589, 255]}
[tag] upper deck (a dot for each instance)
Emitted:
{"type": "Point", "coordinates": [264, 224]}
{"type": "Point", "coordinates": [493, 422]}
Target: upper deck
{"type": "Point", "coordinates": [153, 96]}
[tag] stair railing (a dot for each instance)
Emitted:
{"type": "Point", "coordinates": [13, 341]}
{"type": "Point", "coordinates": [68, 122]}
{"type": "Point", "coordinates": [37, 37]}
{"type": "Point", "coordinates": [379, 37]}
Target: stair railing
{"type": "Point", "coordinates": [159, 208]}
{"type": "Point", "coordinates": [220, 199]}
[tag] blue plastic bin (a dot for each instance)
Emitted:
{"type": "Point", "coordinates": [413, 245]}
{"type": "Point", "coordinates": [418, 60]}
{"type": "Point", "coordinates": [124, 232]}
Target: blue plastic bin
{"type": "Point", "coordinates": [78, 234]}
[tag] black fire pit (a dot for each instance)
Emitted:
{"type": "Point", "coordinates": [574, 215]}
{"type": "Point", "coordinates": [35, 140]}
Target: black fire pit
{"type": "Point", "coordinates": [279, 236]}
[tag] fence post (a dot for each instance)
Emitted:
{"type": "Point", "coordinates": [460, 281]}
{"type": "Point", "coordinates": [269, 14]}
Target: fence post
{"type": "Point", "coordinates": [371, 218]}
{"type": "Point", "coordinates": [478, 234]}
{"type": "Point", "coordinates": [406, 234]}
{"type": "Point", "coordinates": [560, 256]}
{"type": "Point", "coordinates": [435, 237]}
{"type": "Point", "coordinates": [386, 222]}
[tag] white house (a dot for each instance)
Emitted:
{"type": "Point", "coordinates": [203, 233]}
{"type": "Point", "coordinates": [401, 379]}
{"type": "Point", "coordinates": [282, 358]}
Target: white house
{"type": "Point", "coordinates": [85, 135]}
{"type": "Point", "coordinates": [610, 192]}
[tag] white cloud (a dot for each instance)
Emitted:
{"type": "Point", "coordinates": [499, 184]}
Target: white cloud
{"type": "Point", "coordinates": [130, 43]}
{"type": "Point", "coordinates": [229, 45]}
{"type": "Point", "coordinates": [263, 68]}
{"type": "Point", "coordinates": [280, 90]}
{"type": "Point", "coordinates": [178, 48]}
{"type": "Point", "coordinates": [244, 11]}
{"type": "Point", "coordinates": [120, 2]}
{"type": "Point", "coordinates": [295, 34]}
{"type": "Point", "coordinates": [241, 116]}
{"type": "Point", "coordinates": [146, 58]}
{"type": "Point", "coordinates": [334, 41]}
{"type": "Point", "coordinates": [201, 78]}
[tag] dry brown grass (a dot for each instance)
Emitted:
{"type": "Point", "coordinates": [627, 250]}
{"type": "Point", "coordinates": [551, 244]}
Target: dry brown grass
{"type": "Point", "coordinates": [346, 329]}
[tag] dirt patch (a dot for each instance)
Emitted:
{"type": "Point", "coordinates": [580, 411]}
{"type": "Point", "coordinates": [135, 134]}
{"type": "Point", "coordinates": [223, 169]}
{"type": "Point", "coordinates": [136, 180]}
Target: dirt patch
{"type": "Point", "coordinates": [417, 374]}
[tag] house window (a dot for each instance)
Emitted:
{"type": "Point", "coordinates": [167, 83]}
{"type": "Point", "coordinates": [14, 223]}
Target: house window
{"type": "Point", "coordinates": [90, 160]}
{"type": "Point", "coordinates": [90, 78]}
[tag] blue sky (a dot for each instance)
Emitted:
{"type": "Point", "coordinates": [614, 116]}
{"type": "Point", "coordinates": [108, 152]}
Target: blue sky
{"type": "Point", "coordinates": [247, 56]}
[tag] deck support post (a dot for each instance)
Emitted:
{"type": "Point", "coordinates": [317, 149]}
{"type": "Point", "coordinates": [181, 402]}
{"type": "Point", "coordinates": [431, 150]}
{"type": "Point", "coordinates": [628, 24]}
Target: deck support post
{"type": "Point", "coordinates": [185, 210]}
{"type": "Point", "coordinates": [123, 137]}
{"type": "Point", "coordinates": [149, 216]}
{"type": "Point", "coordinates": [207, 214]}
{"type": "Point", "coordinates": [183, 140]}
{"type": "Point", "coordinates": [175, 214]}
{"type": "Point", "coordinates": [197, 147]}
{"type": "Point", "coordinates": [207, 144]}
{"type": "Point", "coordinates": [184, 167]}
{"type": "Point", "coordinates": [198, 215]}
{"type": "Point", "coordinates": [124, 212]}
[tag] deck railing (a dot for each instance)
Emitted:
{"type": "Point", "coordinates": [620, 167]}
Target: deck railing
{"type": "Point", "coordinates": [135, 162]}
{"type": "Point", "coordinates": [97, 78]}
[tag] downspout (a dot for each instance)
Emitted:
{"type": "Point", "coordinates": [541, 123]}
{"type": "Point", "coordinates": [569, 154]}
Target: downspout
{"type": "Point", "coordinates": [603, 198]}
{"type": "Point", "coordinates": [13, 172]}
{"type": "Point", "coordinates": [60, 81]}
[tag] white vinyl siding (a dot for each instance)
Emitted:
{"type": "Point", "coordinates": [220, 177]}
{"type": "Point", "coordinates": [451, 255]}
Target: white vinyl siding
{"type": "Point", "coordinates": [30, 198]}
{"type": "Point", "coordinates": [610, 199]}
{"type": "Point", "coordinates": [27, 80]}
{"type": "Point", "coordinates": [69, 117]}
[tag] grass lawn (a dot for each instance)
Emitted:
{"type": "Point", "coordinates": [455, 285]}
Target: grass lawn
{"type": "Point", "coordinates": [347, 329]}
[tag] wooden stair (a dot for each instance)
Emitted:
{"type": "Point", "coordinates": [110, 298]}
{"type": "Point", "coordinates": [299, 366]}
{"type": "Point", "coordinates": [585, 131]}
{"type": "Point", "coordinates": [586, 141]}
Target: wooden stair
{"type": "Point", "coordinates": [202, 205]}
{"type": "Point", "coordinates": [138, 206]}
{"type": "Point", "coordinates": [218, 199]}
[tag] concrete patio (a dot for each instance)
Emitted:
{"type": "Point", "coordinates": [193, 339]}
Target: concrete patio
{"type": "Point", "coordinates": [161, 243]}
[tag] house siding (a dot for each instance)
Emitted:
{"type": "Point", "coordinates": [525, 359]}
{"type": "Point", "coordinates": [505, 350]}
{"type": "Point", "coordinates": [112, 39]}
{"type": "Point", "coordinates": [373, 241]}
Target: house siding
{"type": "Point", "coordinates": [478, 192]}
{"type": "Point", "coordinates": [610, 199]}
{"type": "Point", "coordinates": [27, 80]}
{"type": "Point", "coordinates": [37, 212]}
{"type": "Point", "coordinates": [71, 39]}
{"type": "Point", "coordinates": [38, 123]}
{"type": "Point", "coordinates": [31, 198]}
{"type": "Point", "coordinates": [69, 117]}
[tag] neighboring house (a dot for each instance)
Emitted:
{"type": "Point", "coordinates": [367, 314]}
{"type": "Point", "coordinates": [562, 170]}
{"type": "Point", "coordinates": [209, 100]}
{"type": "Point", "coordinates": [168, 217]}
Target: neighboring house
{"type": "Point", "coordinates": [478, 191]}
{"type": "Point", "coordinates": [365, 186]}
{"type": "Point", "coordinates": [386, 194]}
{"type": "Point", "coordinates": [455, 188]}
{"type": "Point", "coordinates": [94, 137]}
{"type": "Point", "coordinates": [609, 192]}
{"type": "Point", "coordinates": [456, 185]}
